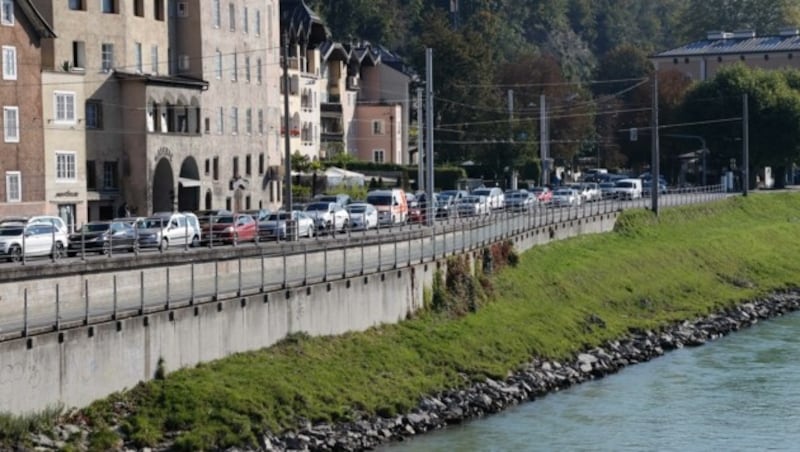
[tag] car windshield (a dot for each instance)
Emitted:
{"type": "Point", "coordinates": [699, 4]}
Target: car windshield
{"type": "Point", "coordinates": [10, 231]}
{"type": "Point", "coordinates": [564, 192]}
{"type": "Point", "coordinates": [624, 184]}
{"type": "Point", "coordinates": [227, 219]}
{"type": "Point", "coordinates": [357, 209]}
{"type": "Point", "coordinates": [153, 223]}
{"type": "Point", "coordinates": [481, 192]}
{"type": "Point", "coordinates": [517, 195]}
{"type": "Point", "coordinates": [94, 227]}
{"type": "Point", "coordinates": [469, 200]}
{"type": "Point", "coordinates": [318, 206]}
{"type": "Point", "coordinates": [380, 200]}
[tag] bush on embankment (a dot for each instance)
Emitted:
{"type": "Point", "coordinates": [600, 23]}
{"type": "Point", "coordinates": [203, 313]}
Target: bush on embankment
{"type": "Point", "coordinates": [559, 299]}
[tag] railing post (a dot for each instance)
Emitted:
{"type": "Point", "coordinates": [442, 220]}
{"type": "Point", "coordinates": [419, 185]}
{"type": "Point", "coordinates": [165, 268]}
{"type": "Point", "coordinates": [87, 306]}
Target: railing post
{"type": "Point", "coordinates": [185, 234]}
{"type": "Point", "coordinates": [395, 252]}
{"type": "Point", "coordinates": [53, 247]}
{"type": "Point", "coordinates": [380, 257]}
{"type": "Point", "coordinates": [239, 291]}
{"type": "Point", "coordinates": [24, 230]}
{"type": "Point", "coordinates": [216, 280]}
{"type": "Point", "coordinates": [58, 307]}
{"type": "Point", "coordinates": [191, 284]}
{"type": "Point", "coordinates": [168, 288]}
{"type": "Point", "coordinates": [262, 270]}
{"type": "Point", "coordinates": [141, 292]}
{"type": "Point", "coordinates": [114, 285]}
{"type": "Point", "coordinates": [362, 257]}
{"type": "Point", "coordinates": [25, 312]}
{"type": "Point", "coordinates": [86, 301]}
{"type": "Point", "coordinates": [285, 271]}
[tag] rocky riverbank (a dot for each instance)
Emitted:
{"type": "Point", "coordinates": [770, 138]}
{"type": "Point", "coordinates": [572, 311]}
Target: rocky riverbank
{"type": "Point", "coordinates": [536, 379]}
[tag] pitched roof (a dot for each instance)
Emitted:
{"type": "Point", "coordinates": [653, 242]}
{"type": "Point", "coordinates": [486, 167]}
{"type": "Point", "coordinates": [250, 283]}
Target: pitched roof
{"type": "Point", "coordinates": [735, 43]}
{"type": "Point", "coordinates": [36, 19]}
{"type": "Point", "coordinates": [301, 23]}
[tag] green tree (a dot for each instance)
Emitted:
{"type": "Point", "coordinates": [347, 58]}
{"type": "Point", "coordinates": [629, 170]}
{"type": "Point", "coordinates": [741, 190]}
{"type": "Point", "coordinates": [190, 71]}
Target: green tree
{"type": "Point", "coordinates": [774, 115]}
{"type": "Point", "coordinates": [701, 16]}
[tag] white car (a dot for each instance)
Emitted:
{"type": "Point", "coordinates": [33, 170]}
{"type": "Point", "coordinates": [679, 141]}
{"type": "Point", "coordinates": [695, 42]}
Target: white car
{"type": "Point", "coordinates": [628, 189]}
{"type": "Point", "coordinates": [274, 226]}
{"type": "Point", "coordinates": [363, 215]}
{"type": "Point", "coordinates": [38, 239]}
{"type": "Point", "coordinates": [58, 222]}
{"type": "Point", "coordinates": [591, 191]}
{"type": "Point", "coordinates": [494, 197]}
{"type": "Point", "coordinates": [165, 229]}
{"type": "Point", "coordinates": [472, 205]}
{"type": "Point", "coordinates": [328, 216]}
{"type": "Point", "coordinates": [566, 197]}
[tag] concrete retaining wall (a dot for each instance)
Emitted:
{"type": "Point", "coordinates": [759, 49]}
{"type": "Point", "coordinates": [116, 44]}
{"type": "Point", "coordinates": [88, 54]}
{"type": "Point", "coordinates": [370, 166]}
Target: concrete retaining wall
{"type": "Point", "coordinates": [73, 367]}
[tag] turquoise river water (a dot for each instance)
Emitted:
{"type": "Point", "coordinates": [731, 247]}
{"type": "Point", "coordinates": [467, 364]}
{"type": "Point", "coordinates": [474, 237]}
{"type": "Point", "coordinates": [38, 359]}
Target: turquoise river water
{"type": "Point", "coordinates": [739, 393]}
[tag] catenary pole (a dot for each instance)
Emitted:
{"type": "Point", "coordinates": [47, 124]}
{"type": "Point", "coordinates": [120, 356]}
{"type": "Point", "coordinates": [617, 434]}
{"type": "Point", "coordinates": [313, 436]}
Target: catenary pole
{"type": "Point", "coordinates": [431, 214]}
{"type": "Point", "coordinates": [655, 169]}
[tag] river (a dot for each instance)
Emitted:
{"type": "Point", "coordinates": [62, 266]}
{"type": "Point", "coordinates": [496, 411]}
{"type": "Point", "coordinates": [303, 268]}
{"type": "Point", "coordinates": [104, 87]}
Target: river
{"type": "Point", "coordinates": [740, 392]}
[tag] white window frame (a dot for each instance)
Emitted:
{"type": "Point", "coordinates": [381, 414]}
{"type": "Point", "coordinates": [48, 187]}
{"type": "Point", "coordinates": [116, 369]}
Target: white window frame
{"type": "Point", "coordinates": [234, 120]}
{"type": "Point", "coordinates": [138, 57]}
{"type": "Point", "coordinates": [219, 64]}
{"type": "Point", "coordinates": [7, 12]}
{"type": "Point", "coordinates": [10, 176]}
{"type": "Point", "coordinates": [260, 121]}
{"type": "Point", "coordinates": [67, 95]}
{"type": "Point", "coordinates": [258, 22]}
{"type": "Point", "coordinates": [94, 114]}
{"type": "Point", "coordinates": [245, 18]}
{"type": "Point", "coordinates": [381, 152]}
{"type": "Point", "coordinates": [232, 14]}
{"type": "Point", "coordinates": [235, 72]}
{"type": "Point", "coordinates": [12, 137]}
{"type": "Point", "coordinates": [106, 56]}
{"type": "Point", "coordinates": [66, 170]}
{"type": "Point", "coordinates": [154, 58]}
{"type": "Point", "coordinates": [9, 63]}
{"type": "Point", "coordinates": [259, 74]}
{"type": "Point", "coordinates": [248, 121]}
{"type": "Point", "coordinates": [221, 120]}
{"type": "Point", "coordinates": [247, 69]}
{"type": "Point", "coordinates": [378, 127]}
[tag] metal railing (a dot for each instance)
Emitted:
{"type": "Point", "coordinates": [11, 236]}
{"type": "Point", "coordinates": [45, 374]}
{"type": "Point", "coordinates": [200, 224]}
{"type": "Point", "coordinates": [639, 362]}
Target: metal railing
{"type": "Point", "coordinates": [62, 302]}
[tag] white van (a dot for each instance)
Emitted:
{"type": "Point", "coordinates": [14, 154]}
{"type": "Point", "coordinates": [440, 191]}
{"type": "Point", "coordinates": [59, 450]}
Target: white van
{"type": "Point", "coordinates": [165, 229]}
{"type": "Point", "coordinates": [391, 204]}
{"type": "Point", "coordinates": [628, 189]}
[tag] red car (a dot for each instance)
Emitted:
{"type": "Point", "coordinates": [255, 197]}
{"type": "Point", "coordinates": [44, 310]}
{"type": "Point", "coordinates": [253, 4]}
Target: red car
{"type": "Point", "coordinates": [543, 194]}
{"type": "Point", "coordinates": [234, 228]}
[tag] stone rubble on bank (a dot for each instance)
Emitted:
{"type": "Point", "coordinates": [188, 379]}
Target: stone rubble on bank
{"type": "Point", "coordinates": [536, 379]}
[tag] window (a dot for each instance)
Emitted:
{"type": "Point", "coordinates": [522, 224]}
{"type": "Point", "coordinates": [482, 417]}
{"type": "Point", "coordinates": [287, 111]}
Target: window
{"type": "Point", "coordinates": [261, 163]}
{"type": "Point", "coordinates": [13, 186]}
{"type": "Point", "coordinates": [110, 179]}
{"type": "Point", "coordinates": [158, 9]}
{"type": "Point", "coordinates": [91, 175]}
{"type": "Point", "coordinates": [235, 167]}
{"type": "Point", "coordinates": [65, 167]}
{"type": "Point", "coordinates": [78, 54]}
{"type": "Point", "coordinates": [235, 73]}
{"type": "Point", "coordinates": [234, 120]}
{"type": "Point", "coordinates": [247, 69]}
{"type": "Point", "coordinates": [221, 121]}
{"type": "Point", "coordinates": [248, 121]}
{"type": "Point", "coordinates": [258, 22]}
{"type": "Point", "coordinates": [183, 63]}
{"type": "Point", "coordinates": [216, 168]}
{"type": "Point", "coordinates": [7, 12]}
{"type": "Point", "coordinates": [9, 63]}
{"type": "Point", "coordinates": [245, 26]}
{"type": "Point", "coordinates": [183, 9]}
{"type": "Point", "coordinates": [11, 124]}
{"type": "Point", "coordinates": [219, 64]}
{"type": "Point", "coordinates": [76, 5]}
{"type": "Point", "coordinates": [248, 165]}
{"type": "Point", "coordinates": [215, 11]}
{"type": "Point", "coordinates": [258, 70]}
{"type": "Point", "coordinates": [138, 8]}
{"type": "Point", "coordinates": [64, 107]}
{"type": "Point", "coordinates": [154, 58]}
{"type": "Point", "coordinates": [269, 27]}
{"type": "Point", "coordinates": [232, 16]}
{"type": "Point", "coordinates": [109, 6]}
{"type": "Point", "coordinates": [377, 155]}
{"type": "Point", "coordinates": [208, 166]}
{"type": "Point", "coordinates": [260, 121]}
{"type": "Point", "coordinates": [107, 56]}
{"type": "Point", "coordinates": [137, 48]}
{"type": "Point", "coordinates": [207, 125]}
{"type": "Point", "coordinates": [377, 127]}
{"type": "Point", "coordinates": [94, 114]}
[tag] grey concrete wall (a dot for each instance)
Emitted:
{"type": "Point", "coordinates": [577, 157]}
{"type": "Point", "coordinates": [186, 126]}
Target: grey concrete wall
{"type": "Point", "coordinates": [77, 365]}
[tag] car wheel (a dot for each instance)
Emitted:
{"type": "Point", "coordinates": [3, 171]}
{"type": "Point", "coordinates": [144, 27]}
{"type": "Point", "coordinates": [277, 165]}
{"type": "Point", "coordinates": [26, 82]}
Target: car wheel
{"type": "Point", "coordinates": [58, 251]}
{"type": "Point", "coordinates": [106, 249]}
{"type": "Point", "coordinates": [15, 253]}
{"type": "Point", "coordinates": [195, 242]}
{"type": "Point", "coordinates": [164, 245]}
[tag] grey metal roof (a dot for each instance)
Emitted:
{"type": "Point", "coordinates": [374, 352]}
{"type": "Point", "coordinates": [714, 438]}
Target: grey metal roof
{"type": "Point", "coordinates": [759, 44]}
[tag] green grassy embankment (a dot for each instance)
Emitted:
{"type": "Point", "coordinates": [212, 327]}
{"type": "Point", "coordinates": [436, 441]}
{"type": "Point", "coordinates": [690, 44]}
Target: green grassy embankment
{"type": "Point", "coordinates": [692, 261]}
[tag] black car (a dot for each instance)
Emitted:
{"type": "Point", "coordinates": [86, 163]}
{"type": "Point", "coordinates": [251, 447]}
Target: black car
{"type": "Point", "coordinates": [102, 237]}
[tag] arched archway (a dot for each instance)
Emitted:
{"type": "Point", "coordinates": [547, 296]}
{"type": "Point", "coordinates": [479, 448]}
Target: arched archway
{"type": "Point", "coordinates": [189, 186]}
{"type": "Point", "coordinates": [163, 187]}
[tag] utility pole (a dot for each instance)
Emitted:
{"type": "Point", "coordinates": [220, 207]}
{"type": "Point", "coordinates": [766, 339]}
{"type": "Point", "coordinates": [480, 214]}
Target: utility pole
{"type": "Point", "coordinates": [287, 181]}
{"type": "Point", "coordinates": [745, 145]}
{"type": "Point", "coordinates": [544, 145]}
{"type": "Point", "coordinates": [420, 141]}
{"type": "Point", "coordinates": [510, 131]}
{"type": "Point", "coordinates": [430, 206]}
{"type": "Point", "coordinates": [655, 167]}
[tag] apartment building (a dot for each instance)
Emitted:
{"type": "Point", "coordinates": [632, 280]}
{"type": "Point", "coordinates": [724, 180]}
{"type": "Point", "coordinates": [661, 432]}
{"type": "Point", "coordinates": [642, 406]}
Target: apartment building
{"type": "Point", "coordinates": [338, 99]}
{"type": "Point", "coordinates": [22, 160]}
{"type": "Point", "coordinates": [702, 59]}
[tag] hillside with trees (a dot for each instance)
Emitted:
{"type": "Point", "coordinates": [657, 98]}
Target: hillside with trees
{"type": "Point", "coordinates": [588, 57]}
